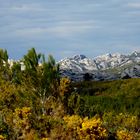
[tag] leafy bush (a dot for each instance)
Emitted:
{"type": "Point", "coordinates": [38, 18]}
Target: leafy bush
{"type": "Point", "coordinates": [36, 104]}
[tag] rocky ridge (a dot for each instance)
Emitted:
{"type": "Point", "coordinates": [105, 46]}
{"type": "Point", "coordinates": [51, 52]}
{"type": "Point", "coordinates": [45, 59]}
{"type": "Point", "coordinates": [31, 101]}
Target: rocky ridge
{"type": "Point", "coordinates": [104, 67]}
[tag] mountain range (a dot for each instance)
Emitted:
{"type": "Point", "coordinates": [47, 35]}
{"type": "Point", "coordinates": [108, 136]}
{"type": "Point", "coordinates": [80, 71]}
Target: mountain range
{"type": "Point", "coordinates": [104, 67]}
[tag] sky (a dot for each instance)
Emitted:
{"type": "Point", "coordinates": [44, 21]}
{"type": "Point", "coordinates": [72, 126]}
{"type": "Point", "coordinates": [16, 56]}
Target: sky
{"type": "Point", "coordinates": [65, 28]}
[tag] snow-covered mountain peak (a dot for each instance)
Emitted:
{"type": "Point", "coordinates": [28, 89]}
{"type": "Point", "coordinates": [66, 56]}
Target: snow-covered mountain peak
{"type": "Point", "coordinates": [109, 56]}
{"type": "Point", "coordinates": [117, 55]}
{"type": "Point", "coordinates": [135, 54]}
{"type": "Point", "coordinates": [79, 57]}
{"type": "Point", "coordinates": [104, 56]}
{"type": "Point", "coordinates": [77, 65]}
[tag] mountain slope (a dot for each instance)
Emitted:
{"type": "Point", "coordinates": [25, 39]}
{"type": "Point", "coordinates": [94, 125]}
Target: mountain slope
{"type": "Point", "coordinates": [104, 67]}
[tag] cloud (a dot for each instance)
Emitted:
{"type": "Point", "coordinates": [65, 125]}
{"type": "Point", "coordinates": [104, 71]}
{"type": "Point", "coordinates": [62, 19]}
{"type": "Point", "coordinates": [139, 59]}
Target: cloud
{"type": "Point", "coordinates": [27, 8]}
{"type": "Point", "coordinates": [26, 32]}
{"type": "Point", "coordinates": [70, 26]}
{"type": "Point", "coordinates": [134, 5]}
{"type": "Point", "coordinates": [60, 29]}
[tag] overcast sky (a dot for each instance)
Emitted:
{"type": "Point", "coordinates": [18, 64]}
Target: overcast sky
{"type": "Point", "coordinates": [64, 28]}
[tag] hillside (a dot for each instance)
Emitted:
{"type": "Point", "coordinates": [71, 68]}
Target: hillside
{"type": "Point", "coordinates": [119, 96]}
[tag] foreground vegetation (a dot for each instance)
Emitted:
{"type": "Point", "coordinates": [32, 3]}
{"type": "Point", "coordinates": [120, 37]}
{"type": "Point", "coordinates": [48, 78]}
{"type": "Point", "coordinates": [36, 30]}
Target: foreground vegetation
{"type": "Point", "coordinates": [36, 104]}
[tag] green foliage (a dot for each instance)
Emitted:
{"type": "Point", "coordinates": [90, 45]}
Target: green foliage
{"type": "Point", "coordinates": [119, 95]}
{"type": "Point", "coordinates": [4, 65]}
{"type": "Point", "coordinates": [36, 104]}
{"type": "Point", "coordinates": [31, 60]}
{"type": "Point", "coordinates": [3, 56]}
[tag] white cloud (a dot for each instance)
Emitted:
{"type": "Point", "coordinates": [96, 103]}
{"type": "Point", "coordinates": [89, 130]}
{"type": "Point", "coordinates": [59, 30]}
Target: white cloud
{"type": "Point", "coordinates": [30, 31]}
{"type": "Point", "coordinates": [134, 5]}
{"type": "Point", "coordinates": [28, 7]}
{"type": "Point", "coordinates": [73, 26]}
{"type": "Point", "coordinates": [60, 29]}
{"type": "Point", "coordinates": [70, 30]}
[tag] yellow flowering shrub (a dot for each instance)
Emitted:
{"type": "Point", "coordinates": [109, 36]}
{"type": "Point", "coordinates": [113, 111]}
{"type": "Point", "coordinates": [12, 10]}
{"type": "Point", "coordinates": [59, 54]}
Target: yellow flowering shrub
{"type": "Point", "coordinates": [92, 129]}
{"type": "Point", "coordinates": [90, 123]}
{"type": "Point", "coordinates": [25, 111]}
{"type": "Point", "coordinates": [21, 121]}
{"type": "Point", "coordinates": [44, 139]}
{"type": "Point", "coordinates": [73, 121]}
{"type": "Point", "coordinates": [64, 85]}
{"type": "Point", "coordinates": [124, 135]}
{"type": "Point", "coordinates": [21, 116]}
{"type": "Point", "coordinates": [2, 138]}
{"type": "Point", "coordinates": [85, 128]}
{"type": "Point", "coordinates": [127, 120]}
{"type": "Point", "coordinates": [124, 125]}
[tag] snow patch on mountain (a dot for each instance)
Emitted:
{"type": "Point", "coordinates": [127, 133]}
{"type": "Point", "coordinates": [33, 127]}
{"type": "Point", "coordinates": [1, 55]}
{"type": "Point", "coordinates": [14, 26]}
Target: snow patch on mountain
{"type": "Point", "coordinates": [78, 65]}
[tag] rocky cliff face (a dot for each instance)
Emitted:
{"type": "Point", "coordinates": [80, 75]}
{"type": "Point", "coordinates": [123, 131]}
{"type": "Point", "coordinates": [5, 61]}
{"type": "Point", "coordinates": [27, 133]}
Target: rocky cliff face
{"type": "Point", "coordinates": [104, 67]}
